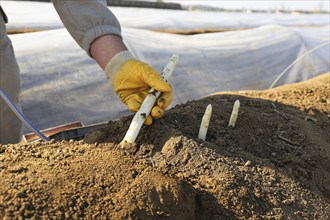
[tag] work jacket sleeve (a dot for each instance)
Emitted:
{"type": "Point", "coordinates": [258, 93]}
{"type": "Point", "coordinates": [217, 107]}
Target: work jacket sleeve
{"type": "Point", "coordinates": [86, 20]}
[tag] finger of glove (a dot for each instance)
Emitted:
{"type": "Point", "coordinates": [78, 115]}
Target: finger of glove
{"type": "Point", "coordinates": [154, 80]}
{"type": "Point", "coordinates": [164, 100]}
{"type": "Point", "coordinates": [134, 102]}
{"type": "Point", "coordinates": [148, 120]}
{"type": "Point", "coordinates": [157, 112]}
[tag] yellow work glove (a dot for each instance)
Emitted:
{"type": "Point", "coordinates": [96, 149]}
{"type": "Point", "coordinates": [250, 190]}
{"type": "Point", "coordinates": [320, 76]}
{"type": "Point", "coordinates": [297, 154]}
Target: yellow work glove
{"type": "Point", "coordinates": [132, 79]}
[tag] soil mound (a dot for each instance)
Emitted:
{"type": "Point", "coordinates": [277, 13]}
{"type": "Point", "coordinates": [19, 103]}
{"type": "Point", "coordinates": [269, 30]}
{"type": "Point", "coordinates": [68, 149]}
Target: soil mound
{"type": "Point", "coordinates": [274, 164]}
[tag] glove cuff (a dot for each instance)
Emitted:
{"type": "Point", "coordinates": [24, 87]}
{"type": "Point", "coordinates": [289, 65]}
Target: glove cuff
{"type": "Point", "coordinates": [116, 62]}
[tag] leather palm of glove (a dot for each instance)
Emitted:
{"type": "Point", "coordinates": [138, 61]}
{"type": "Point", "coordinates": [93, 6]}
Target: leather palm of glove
{"type": "Point", "coordinates": [132, 79]}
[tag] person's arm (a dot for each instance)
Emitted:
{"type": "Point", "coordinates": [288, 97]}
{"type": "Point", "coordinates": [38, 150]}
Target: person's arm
{"type": "Point", "coordinates": [94, 27]}
{"type": "Point", "coordinates": [87, 21]}
{"type": "Point", "coordinates": [98, 32]}
{"type": "Point", "coordinates": [105, 48]}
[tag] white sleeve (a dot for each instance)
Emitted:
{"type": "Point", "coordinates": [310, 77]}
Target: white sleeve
{"type": "Point", "coordinates": [87, 20]}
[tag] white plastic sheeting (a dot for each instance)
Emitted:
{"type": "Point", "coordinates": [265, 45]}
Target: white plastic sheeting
{"type": "Point", "coordinates": [62, 84]}
{"type": "Point", "coordinates": [38, 15]}
{"type": "Point", "coordinates": [31, 15]}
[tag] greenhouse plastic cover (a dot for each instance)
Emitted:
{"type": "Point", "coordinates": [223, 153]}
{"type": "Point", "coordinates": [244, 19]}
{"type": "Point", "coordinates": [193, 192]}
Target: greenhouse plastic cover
{"type": "Point", "coordinates": [61, 84]}
{"type": "Point", "coordinates": [41, 15]}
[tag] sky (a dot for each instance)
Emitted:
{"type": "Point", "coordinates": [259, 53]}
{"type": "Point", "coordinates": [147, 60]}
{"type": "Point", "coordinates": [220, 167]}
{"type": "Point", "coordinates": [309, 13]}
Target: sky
{"type": "Point", "coordinates": [308, 5]}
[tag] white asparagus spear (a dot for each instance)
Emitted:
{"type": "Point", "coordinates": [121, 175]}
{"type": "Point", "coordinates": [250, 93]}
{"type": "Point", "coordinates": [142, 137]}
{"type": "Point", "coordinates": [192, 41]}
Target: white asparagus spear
{"type": "Point", "coordinates": [205, 123]}
{"type": "Point", "coordinates": [147, 105]}
{"type": "Point", "coordinates": [234, 114]}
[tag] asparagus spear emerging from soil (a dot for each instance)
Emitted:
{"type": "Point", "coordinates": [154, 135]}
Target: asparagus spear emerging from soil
{"type": "Point", "coordinates": [148, 103]}
{"type": "Point", "coordinates": [234, 114]}
{"type": "Point", "coordinates": [205, 122]}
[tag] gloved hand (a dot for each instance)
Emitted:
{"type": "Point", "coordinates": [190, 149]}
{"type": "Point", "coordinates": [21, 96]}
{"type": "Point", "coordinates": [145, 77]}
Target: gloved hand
{"type": "Point", "coordinates": [132, 79]}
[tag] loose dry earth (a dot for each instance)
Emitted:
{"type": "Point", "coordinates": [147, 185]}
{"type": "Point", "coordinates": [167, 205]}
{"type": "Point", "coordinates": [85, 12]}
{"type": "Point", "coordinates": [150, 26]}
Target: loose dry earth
{"type": "Point", "coordinates": [273, 165]}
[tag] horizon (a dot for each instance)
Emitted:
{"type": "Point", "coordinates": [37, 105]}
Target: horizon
{"type": "Point", "coordinates": [306, 5]}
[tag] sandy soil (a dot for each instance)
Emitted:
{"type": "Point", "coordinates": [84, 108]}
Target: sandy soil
{"type": "Point", "coordinates": [273, 165]}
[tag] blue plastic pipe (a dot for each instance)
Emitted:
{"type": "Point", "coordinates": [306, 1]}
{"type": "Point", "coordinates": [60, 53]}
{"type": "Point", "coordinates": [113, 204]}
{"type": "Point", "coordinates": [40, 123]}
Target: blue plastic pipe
{"type": "Point", "coordinates": [20, 115]}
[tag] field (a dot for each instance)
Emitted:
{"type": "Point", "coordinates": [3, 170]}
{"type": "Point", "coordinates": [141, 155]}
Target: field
{"type": "Point", "coordinates": [273, 165]}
